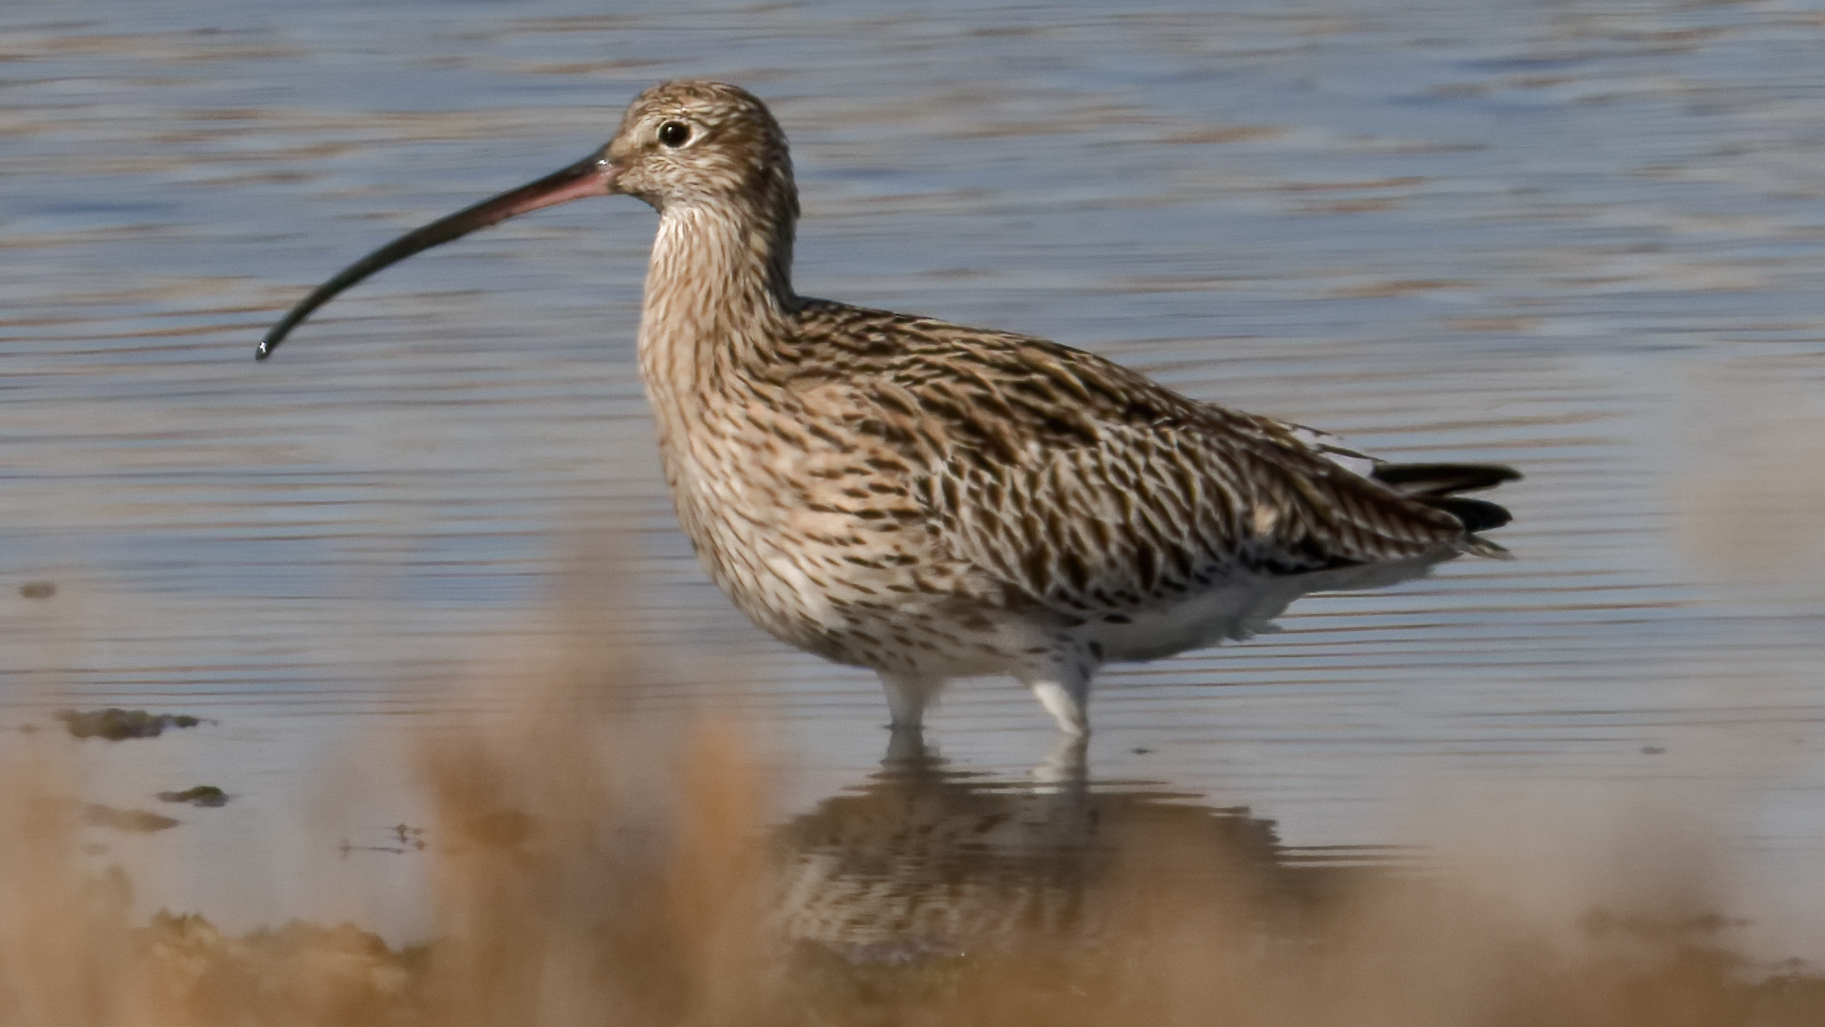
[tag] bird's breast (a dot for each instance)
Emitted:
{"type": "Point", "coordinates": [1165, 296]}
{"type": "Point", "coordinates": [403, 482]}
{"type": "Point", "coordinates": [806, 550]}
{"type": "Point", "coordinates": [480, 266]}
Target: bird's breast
{"type": "Point", "coordinates": [809, 531]}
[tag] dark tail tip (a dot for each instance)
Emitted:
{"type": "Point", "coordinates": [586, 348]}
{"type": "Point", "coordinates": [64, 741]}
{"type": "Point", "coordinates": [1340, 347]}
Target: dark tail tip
{"type": "Point", "coordinates": [1431, 480]}
{"type": "Point", "coordinates": [1476, 514]}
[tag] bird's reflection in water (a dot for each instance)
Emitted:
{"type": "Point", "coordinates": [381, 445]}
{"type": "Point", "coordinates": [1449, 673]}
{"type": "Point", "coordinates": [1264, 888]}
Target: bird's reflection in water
{"type": "Point", "coordinates": [927, 860]}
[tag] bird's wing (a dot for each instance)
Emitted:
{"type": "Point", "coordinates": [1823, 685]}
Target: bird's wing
{"type": "Point", "coordinates": [1332, 447]}
{"type": "Point", "coordinates": [1092, 488]}
{"type": "Point", "coordinates": [1151, 512]}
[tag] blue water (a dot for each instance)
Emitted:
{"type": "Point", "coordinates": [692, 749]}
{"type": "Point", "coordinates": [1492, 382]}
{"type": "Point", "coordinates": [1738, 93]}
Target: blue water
{"type": "Point", "coordinates": [1582, 238]}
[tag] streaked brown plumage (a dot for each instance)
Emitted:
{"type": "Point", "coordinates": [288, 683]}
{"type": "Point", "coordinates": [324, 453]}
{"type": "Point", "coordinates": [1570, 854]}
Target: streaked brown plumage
{"type": "Point", "coordinates": [935, 501]}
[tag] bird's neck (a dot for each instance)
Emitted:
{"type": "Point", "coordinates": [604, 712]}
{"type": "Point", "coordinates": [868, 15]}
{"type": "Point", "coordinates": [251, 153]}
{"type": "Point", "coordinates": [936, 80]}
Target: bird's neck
{"type": "Point", "coordinates": [718, 291]}
{"type": "Point", "coordinates": [719, 304]}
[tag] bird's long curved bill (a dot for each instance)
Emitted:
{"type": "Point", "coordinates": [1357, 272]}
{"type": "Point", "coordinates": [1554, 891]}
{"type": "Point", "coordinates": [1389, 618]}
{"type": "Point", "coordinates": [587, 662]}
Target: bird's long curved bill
{"type": "Point", "coordinates": [592, 176]}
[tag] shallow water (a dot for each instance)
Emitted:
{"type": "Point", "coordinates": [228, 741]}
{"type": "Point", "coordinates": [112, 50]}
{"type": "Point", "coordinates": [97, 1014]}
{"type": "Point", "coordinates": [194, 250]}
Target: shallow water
{"type": "Point", "coordinates": [1581, 238]}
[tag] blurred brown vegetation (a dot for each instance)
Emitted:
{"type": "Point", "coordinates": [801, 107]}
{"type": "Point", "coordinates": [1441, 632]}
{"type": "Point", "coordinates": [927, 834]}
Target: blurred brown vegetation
{"type": "Point", "coordinates": [591, 867]}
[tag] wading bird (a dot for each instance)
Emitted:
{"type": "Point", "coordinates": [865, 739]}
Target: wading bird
{"type": "Point", "coordinates": [934, 501]}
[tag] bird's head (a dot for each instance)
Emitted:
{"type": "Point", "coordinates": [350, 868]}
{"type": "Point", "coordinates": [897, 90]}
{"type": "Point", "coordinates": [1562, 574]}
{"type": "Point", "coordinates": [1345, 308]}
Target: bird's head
{"type": "Point", "coordinates": [694, 142]}
{"type": "Point", "coordinates": [682, 144]}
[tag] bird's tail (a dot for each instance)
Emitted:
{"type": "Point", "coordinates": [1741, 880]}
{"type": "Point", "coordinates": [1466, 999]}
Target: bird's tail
{"type": "Point", "coordinates": [1438, 485]}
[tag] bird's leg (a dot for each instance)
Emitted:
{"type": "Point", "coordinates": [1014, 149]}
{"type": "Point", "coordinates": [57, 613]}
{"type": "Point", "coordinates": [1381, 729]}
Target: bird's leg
{"type": "Point", "coordinates": [907, 697]}
{"type": "Point", "coordinates": [1067, 702]}
{"type": "Point", "coordinates": [1061, 682]}
{"type": "Point", "coordinates": [907, 751]}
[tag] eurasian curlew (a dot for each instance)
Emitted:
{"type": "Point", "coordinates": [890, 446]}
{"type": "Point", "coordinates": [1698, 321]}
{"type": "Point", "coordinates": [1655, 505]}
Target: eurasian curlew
{"type": "Point", "coordinates": [934, 501]}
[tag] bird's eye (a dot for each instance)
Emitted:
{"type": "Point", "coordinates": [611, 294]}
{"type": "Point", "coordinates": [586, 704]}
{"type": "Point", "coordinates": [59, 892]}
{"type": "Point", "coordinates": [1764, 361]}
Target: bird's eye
{"type": "Point", "coordinates": [674, 133]}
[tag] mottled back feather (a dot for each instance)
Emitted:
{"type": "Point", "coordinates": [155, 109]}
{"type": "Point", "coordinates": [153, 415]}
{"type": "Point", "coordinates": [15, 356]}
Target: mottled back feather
{"type": "Point", "coordinates": [1085, 484]}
